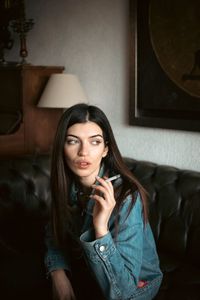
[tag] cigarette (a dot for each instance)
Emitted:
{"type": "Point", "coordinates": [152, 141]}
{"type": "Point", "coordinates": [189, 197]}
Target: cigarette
{"type": "Point", "coordinates": [108, 180]}
{"type": "Point", "coordinates": [113, 178]}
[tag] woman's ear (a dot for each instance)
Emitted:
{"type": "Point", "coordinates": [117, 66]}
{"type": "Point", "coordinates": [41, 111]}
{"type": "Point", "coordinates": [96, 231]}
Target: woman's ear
{"type": "Point", "coordinates": [105, 151]}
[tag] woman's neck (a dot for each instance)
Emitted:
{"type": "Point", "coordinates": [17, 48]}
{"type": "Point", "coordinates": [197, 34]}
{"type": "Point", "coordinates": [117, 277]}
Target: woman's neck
{"type": "Point", "coordinates": [87, 181]}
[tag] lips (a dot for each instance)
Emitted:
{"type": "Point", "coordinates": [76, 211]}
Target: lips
{"type": "Point", "coordinates": [83, 164]}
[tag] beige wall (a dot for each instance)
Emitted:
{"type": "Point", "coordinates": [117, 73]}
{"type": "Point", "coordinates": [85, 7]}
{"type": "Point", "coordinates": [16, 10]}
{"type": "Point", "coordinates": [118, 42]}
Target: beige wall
{"type": "Point", "coordinates": [90, 38]}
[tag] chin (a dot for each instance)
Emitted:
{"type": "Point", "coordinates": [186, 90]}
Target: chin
{"type": "Point", "coordinates": [82, 173]}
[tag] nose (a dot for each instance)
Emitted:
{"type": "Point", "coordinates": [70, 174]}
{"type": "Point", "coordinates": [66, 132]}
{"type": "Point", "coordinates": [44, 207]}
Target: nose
{"type": "Point", "coordinates": [83, 149]}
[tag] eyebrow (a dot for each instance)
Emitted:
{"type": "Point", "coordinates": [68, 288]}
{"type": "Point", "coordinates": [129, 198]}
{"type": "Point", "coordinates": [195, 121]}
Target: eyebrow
{"type": "Point", "coordinates": [90, 137]}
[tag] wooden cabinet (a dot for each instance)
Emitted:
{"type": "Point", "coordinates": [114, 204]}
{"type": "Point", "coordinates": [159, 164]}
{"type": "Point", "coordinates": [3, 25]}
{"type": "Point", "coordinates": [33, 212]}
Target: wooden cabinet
{"type": "Point", "coordinates": [20, 90]}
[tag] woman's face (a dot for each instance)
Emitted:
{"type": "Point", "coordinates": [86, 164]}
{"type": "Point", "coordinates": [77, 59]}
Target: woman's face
{"type": "Point", "coordinates": [84, 149]}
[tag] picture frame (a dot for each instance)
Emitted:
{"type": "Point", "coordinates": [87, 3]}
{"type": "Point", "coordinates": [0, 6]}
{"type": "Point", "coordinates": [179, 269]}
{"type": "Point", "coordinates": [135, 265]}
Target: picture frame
{"type": "Point", "coordinates": [164, 91]}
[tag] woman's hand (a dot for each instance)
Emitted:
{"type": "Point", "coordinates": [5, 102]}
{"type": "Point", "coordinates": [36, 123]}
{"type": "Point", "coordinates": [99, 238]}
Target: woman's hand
{"type": "Point", "coordinates": [103, 195]}
{"type": "Point", "coordinates": [62, 288]}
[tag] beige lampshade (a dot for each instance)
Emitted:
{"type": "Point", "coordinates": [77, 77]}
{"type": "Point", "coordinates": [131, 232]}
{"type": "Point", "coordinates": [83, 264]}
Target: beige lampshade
{"type": "Point", "coordinates": [61, 91]}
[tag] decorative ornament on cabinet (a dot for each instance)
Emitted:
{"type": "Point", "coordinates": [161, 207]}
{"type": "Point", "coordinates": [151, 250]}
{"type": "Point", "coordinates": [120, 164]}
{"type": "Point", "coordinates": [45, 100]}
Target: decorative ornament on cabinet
{"type": "Point", "coordinates": [13, 18]}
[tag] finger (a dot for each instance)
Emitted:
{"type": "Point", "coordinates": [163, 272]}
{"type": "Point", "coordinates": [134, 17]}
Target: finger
{"type": "Point", "coordinates": [99, 192]}
{"type": "Point", "coordinates": [99, 188]}
{"type": "Point", "coordinates": [101, 201]}
{"type": "Point", "coordinates": [102, 180]}
{"type": "Point", "coordinates": [104, 205]}
{"type": "Point", "coordinates": [106, 184]}
{"type": "Point", "coordinates": [106, 193]}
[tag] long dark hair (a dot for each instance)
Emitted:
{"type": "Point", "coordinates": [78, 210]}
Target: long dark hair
{"type": "Point", "coordinates": [61, 175]}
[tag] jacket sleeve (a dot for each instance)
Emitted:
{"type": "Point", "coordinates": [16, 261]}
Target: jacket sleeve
{"type": "Point", "coordinates": [54, 259]}
{"type": "Point", "coordinates": [116, 260]}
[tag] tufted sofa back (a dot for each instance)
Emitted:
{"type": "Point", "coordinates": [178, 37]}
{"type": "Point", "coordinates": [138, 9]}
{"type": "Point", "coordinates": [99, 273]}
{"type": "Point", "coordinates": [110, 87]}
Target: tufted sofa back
{"type": "Point", "coordinates": [24, 202]}
{"type": "Point", "coordinates": [24, 211]}
{"type": "Point", "coordinates": [174, 208]}
{"type": "Point", "coordinates": [174, 214]}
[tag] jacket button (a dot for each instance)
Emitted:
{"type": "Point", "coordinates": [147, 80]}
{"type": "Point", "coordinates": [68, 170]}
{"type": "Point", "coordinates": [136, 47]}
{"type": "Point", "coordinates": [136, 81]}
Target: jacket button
{"type": "Point", "coordinates": [102, 248]}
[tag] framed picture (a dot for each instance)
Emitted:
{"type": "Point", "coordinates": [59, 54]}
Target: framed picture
{"type": "Point", "coordinates": [165, 64]}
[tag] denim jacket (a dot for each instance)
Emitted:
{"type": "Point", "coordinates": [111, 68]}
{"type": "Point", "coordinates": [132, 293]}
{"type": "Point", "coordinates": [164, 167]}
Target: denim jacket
{"type": "Point", "coordinates": [118, 261]}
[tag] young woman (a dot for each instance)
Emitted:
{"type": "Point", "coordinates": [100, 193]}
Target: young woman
{"type": "Point", "coordinates": [100, 245]}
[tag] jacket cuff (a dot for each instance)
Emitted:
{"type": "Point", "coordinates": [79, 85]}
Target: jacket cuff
{"type": "Point", "coordinates": [55, 262]}
{"type": "Point", "coordinates": [103, 246]}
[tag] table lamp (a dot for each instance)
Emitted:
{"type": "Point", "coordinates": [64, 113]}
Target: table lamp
{"type": "Point", "coordinates": [62, 91]}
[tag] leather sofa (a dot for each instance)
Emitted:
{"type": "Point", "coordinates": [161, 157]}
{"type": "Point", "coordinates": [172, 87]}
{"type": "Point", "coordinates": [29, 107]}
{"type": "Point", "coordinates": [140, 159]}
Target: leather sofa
{"type": "Point", "coordinates": [174, 213]}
